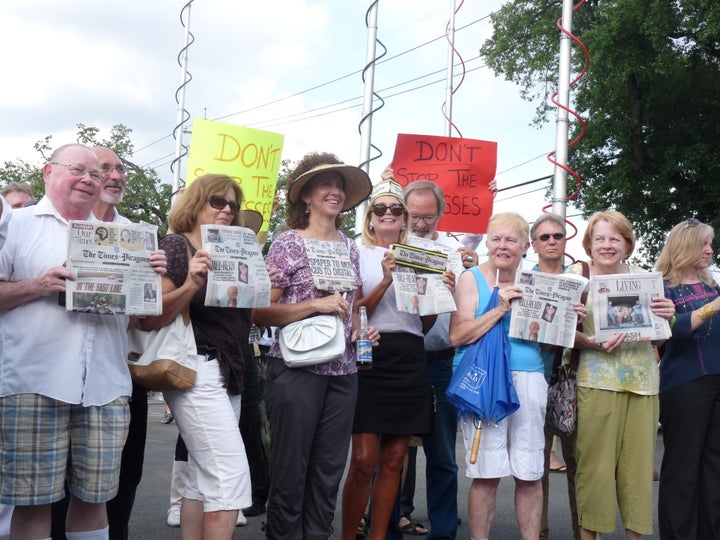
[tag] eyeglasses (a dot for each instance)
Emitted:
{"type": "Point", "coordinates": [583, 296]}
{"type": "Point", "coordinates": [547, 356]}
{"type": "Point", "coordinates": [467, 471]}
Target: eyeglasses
{"type": "Point", "coordinates": [556, 236]}
{"type": "Point", "coordinates": [219, 203]}
{"type": "Point", "coordinates": [692, 222]}
{"type": "Point", "coordinates": [380, 209]}
{"type": "Point", "coordinates": [107, 169]}
{"type": "Point", "coordinates": [429, 220]}
{"type": "Point", "coordinates": [80, 171]}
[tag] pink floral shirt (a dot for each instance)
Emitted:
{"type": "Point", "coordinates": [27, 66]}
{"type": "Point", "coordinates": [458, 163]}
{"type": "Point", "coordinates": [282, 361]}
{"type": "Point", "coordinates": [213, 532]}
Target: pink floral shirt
{"type": "Point", "coordinates": [287, 254]}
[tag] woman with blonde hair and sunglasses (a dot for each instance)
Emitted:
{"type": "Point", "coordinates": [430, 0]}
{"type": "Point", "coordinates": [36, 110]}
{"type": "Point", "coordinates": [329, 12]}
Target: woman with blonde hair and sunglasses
{"type": "Point", "coordinates": [617, 403]}
{"type": "Point", "coordinates": [217, 479]}
{"type": "Point", "coordinates": [395, 398]}
{"type": "Point", "coordinates": [690, 388]}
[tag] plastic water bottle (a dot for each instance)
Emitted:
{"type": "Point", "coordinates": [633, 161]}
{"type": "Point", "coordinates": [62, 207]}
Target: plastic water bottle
{"type": "Point", "coordinates": [364, 345]}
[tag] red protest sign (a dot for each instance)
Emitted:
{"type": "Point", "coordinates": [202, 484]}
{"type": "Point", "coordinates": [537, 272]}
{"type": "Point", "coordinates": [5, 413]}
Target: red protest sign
{"type": "Point", "coordinates": [462, 168]}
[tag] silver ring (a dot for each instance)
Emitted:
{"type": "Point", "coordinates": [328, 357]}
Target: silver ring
{"type": "Point", "coordinates": [340, 311]}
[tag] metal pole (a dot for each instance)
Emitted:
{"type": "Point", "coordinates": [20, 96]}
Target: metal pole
{"type": "Point", "coordinates": [181, 104]}
{"type": "Point", "coordinates": [563, 123]}
{"type": "Point", "coordinates": [366, 122]}
{"type": "Point", "coordinates": [450, 68]}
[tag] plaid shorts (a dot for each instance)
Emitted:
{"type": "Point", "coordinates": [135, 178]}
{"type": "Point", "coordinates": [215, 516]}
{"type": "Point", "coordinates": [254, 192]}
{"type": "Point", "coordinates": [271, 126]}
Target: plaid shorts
{"type": "Point", "coordinates": [45, 442]}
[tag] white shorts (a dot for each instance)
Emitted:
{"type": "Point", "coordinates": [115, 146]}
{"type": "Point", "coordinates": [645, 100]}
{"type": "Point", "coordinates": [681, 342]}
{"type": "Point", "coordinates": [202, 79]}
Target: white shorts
{"type": "Point", "coordinates": [514, 446]}
{"type": "Point", "coordinates": [207, 417]}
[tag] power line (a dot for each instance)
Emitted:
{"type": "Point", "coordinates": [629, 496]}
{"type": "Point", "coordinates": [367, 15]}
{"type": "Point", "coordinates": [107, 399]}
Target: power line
{"type": "Point", "coordinates": [327, 83]}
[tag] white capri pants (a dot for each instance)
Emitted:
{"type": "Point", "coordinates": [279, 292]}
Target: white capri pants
{"type": "Point", "coordinates": [515, 445]}
{"type": "Point", "coordinates": [207, 417]}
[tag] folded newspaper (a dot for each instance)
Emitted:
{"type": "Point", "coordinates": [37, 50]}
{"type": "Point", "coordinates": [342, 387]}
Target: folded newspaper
{"type": "Point", "coordinates": [621, 304]}
{"type": "Point", "coordinates": [418, 280]}
{"type": "Point", "coordinates": [239, 278]}
{"type": "Point", "coordinates": [111, 262]}
{"type": "Point", "coordinates": [545, 313]}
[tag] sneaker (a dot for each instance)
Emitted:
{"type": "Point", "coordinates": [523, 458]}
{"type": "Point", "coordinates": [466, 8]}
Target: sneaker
{"type": "Point", "coordinates": [173, 517]}
{"type": "Point", "coordinates": [166, 418]}
{"type": "Point", "coordinates": [241, 519]}
{"type": "Point", "coordinates": [256, 509]}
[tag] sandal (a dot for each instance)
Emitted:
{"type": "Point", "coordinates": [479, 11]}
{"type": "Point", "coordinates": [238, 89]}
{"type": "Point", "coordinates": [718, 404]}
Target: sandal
{"type": "Point", "coordinates": [414, 528]}
{"type": "Point", "coordinates": [362, 529]}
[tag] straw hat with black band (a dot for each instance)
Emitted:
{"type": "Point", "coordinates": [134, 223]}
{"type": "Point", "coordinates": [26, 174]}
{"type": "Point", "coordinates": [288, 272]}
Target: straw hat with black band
{"type": "Point", "coordinates": [357, 185]}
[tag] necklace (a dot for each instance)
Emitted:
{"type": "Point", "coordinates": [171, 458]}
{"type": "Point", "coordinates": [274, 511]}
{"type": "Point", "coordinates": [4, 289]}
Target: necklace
{"type": "Point", "coordinates": [694, 296]}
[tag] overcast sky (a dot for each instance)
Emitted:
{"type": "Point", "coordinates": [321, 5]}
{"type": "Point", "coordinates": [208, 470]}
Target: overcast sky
{"type": "Point", "coordinates": [288, 66]}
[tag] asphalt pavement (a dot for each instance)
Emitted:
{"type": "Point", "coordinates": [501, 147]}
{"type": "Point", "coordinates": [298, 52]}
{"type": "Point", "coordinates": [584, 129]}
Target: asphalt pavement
{"type": "Point", "coordinates": [151, 503]}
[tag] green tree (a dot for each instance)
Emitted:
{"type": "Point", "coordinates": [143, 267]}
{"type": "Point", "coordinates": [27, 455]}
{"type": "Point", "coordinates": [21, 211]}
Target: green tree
{"type": "Point", "coordinates": [146, 199]}
{"type": "Point", "coordinates": [650, 99]}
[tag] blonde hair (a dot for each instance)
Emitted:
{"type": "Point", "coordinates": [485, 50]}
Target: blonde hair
{"type": "Point", "coordinates": [368, 234]}
{"type": "Point", "coordinates": [512, 220]}
{"type": "Point", "coordinates": [618, 222]}
{"type": "Point", "coordinates": [187, 206]}
{"type": "Point", "coordinates": [682, 250]}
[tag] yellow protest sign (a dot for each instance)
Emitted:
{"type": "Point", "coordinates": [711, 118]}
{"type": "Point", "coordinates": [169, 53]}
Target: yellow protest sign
{"type": "Point", "coordinates": [250, 156]}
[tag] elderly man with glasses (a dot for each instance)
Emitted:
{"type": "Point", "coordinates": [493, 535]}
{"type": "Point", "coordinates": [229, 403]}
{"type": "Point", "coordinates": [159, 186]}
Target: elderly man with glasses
{"type": "Point", "coordinates": [64, 391]}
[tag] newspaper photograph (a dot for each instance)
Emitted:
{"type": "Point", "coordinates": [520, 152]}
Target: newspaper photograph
{"type": "Point", "coordinates": [621, 304]}
{"type": "Point", "coordinates": [545, 312]}
{"type": "Point", "coordinates": [330, 266]}
{"type": "Point", "coordinates": [111, 262]}
{"type": "Point", "coordinates": [239, 278]}
{"type": "Point", "coordinates": [418, 280]}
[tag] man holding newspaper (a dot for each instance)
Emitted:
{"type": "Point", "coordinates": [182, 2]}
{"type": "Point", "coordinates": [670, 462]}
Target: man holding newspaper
{"type": "Point", "coordinates": [64, 386]}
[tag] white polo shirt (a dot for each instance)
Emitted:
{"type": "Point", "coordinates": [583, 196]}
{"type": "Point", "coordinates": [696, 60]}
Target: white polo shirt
{"type": "Point", "coordinates": [68, 356]}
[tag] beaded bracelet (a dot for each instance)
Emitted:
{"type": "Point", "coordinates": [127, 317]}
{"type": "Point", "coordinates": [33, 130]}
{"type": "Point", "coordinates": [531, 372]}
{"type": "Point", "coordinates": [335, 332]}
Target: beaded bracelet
{"type": "Point", "coordinates": [705, 312]}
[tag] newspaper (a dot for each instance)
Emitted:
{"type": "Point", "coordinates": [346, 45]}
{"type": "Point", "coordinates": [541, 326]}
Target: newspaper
{"type": "Point", "coordinates": [239, 278]}
{"type": "Point", "coordinates": [418, 280]}
{"type": "Point", "coordinates": [545, 312]}
{"type": "Point", "coordinates": [330, 266]}
{"type": "Point", "coordinates": [621, 303]}
{"type": "Point", "coordinates": [111, 262]}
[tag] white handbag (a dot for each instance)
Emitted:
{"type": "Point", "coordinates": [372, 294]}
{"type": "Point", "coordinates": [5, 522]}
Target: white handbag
{"type": "Point", "coordinates": [315, 340]}
{"type": "Point", "coordinates": [164, 359]}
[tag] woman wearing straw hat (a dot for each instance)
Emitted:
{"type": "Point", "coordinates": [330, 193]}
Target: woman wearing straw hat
{"type": "Point", "coordinates": [310, 408]}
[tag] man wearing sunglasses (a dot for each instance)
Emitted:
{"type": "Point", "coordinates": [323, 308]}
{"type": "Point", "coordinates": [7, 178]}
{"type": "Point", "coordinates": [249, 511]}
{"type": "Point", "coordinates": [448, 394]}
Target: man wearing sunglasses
{"type": "Point", "coordinates": [426, 205]}
{"type": "Point", "coordinates": [548, 237]}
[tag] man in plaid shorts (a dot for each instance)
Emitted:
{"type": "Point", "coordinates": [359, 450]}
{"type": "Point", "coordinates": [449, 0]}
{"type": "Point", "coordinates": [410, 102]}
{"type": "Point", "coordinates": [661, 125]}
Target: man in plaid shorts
{"type": "Point", "coordinates": [64, 382]}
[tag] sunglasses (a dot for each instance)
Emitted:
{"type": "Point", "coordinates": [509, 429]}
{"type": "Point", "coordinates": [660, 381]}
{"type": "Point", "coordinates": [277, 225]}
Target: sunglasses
{"type": "Point", "coordinates": [219, 203]}
{"type": "Point", "coordinates": [546, 237]}
{"type": "Point", "coordinates": [381, 209]}
{"type": "Point", "coordinates": [692, 222]}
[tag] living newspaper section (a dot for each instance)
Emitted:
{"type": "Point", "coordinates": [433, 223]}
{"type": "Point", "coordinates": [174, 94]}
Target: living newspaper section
{"type": "Point", "coordinates": [621, 303]}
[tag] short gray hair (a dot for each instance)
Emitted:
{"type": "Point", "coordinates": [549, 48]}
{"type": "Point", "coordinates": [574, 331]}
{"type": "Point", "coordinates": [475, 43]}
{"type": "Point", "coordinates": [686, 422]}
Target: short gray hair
{"type": "Point", "coordinates": [425, 184]}
{"type": "Point", "coordinates": [557, 220]}
{"type": "Point", "coordinates": [14, 187]}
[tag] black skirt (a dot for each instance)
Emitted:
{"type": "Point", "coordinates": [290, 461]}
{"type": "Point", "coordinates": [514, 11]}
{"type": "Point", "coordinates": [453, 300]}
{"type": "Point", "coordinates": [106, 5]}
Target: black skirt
{"type": "Point", "coordinates": [395, 396]}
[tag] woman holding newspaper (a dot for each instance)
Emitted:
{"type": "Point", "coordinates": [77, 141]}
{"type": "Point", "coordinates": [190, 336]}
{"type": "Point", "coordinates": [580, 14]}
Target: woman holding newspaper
{"type": "Point", "coordinates": [690, 388]}
{"type": "Point", "coordinates": [514, 446]}
{"type": "Point", "coordinates": [217, 480]}
{"type": "Point", "coordinates": [617, 387]}
{"type": "Point", "coordinates": [394, 397]}
{"type": "Point", "coordinates": [310, 408]}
